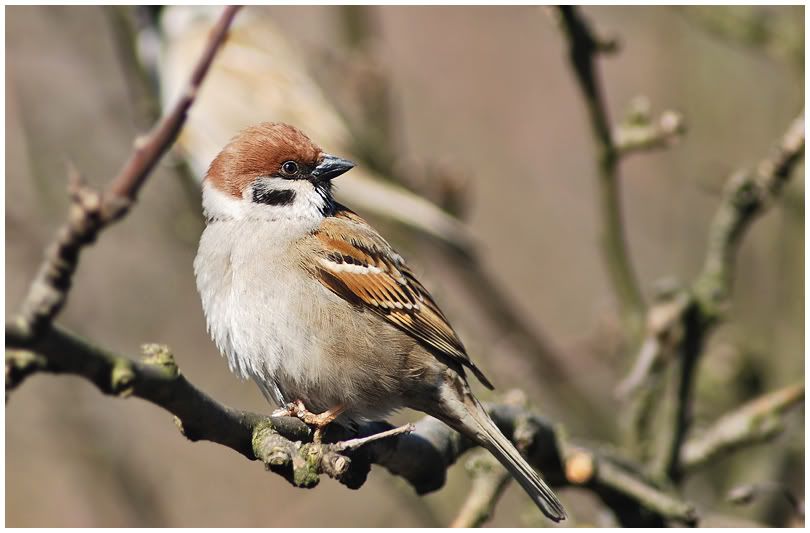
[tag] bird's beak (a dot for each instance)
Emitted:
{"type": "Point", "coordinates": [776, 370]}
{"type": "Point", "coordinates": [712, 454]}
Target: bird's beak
{"type": "Point", "coordinates": [331, 167]}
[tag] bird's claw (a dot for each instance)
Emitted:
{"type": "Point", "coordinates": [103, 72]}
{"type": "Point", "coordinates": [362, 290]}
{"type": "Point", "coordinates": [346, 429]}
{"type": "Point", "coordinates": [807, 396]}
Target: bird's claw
{"type": "Point", "coordinates": [318, 421]}
{"type": "Point", "coordinates": [288, 410]}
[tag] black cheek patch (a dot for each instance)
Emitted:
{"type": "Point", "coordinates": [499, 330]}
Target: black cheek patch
{"type": "Point", "coordinates": [273, 196]}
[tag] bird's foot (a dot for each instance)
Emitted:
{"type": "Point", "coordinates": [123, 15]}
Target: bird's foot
{"type": "Point", "coordinates": [318, 421]}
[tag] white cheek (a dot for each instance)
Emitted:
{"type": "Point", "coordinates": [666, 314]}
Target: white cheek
{"type": "Point", "coordinates": [306, 207]}
{"type": "Point", "coordinates": [306, 204]}
{"type": "Point", "coordinates": [217, 204]}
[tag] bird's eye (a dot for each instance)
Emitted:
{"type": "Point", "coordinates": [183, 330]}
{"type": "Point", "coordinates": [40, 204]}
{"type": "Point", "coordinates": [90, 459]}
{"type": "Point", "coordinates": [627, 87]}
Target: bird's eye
{"type": "Point", "coordinates": [290, 168]}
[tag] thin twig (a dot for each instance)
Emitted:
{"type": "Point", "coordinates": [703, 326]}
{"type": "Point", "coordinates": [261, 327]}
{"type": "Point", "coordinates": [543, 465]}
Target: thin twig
{"type": "Point", "coordinates": [668, 505]}
{"type": "Point", "coordinates": [756, 421]}
{"type": "Point", "coordinates": [661, 336]}
{"type": "Point", "coordinates": [489, 481]}
{"type": "Point", "coordinates": [353, 444]}
{"type": "Point", "coordinates": [745, 494]}
{"type": "Point", "coordinates": [583, 49]}
{"type": "Point", "coordinates": [642, 134]}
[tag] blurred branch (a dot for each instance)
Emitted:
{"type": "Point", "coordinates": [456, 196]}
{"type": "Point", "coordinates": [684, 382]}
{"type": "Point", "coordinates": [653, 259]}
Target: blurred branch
{"type": "Point", "coordinates": [661, 335]}
{"type": "Point", "coordinates": [19, 365]}
{"type": "Point", "coordinates": [747, 195]}
{"type": "Point", "coordinates": [281, 443]}
{"type": "Point", "coordinates": [583, 49]}
{"type": "Point", "coordinates": [489, 480]}
{"type": "Point", "coordinates": [92, 211]}
{"type": "Point", "coordinates": [545, 358]}
{"type": "Point", "coordinates": [756, 421]}
{"type": "Point", "coordinates": [143, 91]}
{"type": "Point", "coordinates": [393, 202]}
{"type": "Point", "coordinates": [654, 505]}
{"type": "Point", "coordinates": [367, 85]}
{"type": "Point", "coordinates": [745, 494]}
{"type": "Point", "coordinates": [679, 324]}
{"type": "Point", "coordinates": [640, 132]}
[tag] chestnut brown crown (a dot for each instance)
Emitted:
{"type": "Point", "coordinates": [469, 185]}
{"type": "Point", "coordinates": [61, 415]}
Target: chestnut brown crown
{"type": "Point", "coordinates": [260, 150]}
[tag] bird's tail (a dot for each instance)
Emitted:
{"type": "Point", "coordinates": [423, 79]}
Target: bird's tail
{"type": "Point", "coordinates": [479, 426]}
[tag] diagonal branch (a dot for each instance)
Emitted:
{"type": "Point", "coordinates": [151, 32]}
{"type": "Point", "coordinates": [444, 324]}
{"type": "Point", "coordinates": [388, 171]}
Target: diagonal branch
{"type": "Point", "coordinates": [92, 211]}
{"type": "Point", "coordinates": [757, 421]}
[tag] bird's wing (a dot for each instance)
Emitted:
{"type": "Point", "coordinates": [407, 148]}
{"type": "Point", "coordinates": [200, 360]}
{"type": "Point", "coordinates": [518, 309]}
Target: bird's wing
{"type": "Point", "coordinates": [358, 265]}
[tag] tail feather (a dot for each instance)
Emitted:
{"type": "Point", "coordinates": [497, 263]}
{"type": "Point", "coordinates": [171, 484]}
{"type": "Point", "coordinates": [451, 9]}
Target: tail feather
{"type": "Point", "coordinates": [531, 482]}
{"type": "Point", "coordinates": [480, 427]}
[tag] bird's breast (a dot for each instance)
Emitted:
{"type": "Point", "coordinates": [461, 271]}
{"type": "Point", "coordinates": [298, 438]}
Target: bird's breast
{"type": "Point", "coordinates": [253, 297]}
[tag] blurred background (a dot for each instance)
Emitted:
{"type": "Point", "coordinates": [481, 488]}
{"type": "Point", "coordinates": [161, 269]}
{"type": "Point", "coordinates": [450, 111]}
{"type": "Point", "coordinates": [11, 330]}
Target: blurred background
{"type": "Point", "coordinates": [471, 109]}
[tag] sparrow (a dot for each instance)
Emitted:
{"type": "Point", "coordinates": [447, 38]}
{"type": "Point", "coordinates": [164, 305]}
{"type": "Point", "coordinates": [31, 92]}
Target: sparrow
{"type": "Point", "coordinates": [308, 300]}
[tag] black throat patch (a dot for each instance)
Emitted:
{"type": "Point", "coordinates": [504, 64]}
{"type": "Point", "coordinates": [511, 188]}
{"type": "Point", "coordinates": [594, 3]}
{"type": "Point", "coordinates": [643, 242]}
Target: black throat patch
{"type": "Point", "coordinates": [273, 196]}
{"type": "Point", "coordinates": [324, 189]}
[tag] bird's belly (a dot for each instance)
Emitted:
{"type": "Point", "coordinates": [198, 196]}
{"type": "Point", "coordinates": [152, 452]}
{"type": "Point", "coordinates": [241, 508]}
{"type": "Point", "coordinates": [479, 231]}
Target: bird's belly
{"type": "Point", "coordinates": [326, 354]}
{"type": "Point", "coordinates": [297, 340]}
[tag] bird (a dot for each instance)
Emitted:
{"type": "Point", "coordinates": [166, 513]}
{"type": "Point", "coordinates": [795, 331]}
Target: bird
{"type": "Point", "coordinates": [308, 300]}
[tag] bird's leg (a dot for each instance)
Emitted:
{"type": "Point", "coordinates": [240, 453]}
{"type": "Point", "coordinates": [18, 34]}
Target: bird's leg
{"type": "Point", "coordinates": [318, 421]}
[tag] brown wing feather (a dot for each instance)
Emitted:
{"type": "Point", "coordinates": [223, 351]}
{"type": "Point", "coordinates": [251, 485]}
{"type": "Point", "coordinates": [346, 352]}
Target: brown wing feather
{"type": "Point", "coordinates": [358, 265]}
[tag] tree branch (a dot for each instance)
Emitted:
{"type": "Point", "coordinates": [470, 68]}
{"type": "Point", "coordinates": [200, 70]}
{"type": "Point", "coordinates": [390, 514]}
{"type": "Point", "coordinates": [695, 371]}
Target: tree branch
{"type": "Point", "coordinates": [639, 132]}
{"type": "Point", "coordinates": [583, 49]}
{"type": "Point", "coordinates": [489, 480]}
{"type": "Point", "coordinates": [91, 211]}
{"type": "Point", "coordinates": [678, 326]}
{"type": "Point", "coordinates": [757, 421]}
{"type": "Point", "coordinates": [282, 443]}
{"type": "Point", "coordinates": [747, 195]}
{"type": "Point", "coordinates": [745, 494]}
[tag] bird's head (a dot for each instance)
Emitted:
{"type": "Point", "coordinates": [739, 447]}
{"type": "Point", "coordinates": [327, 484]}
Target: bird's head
{"type": "Point", "coordinates": [271, 171]}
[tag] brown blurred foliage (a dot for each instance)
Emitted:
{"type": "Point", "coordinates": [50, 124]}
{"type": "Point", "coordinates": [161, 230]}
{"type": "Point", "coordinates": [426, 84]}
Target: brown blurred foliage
{"type": "Point", "coordinates": [488, 93]}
